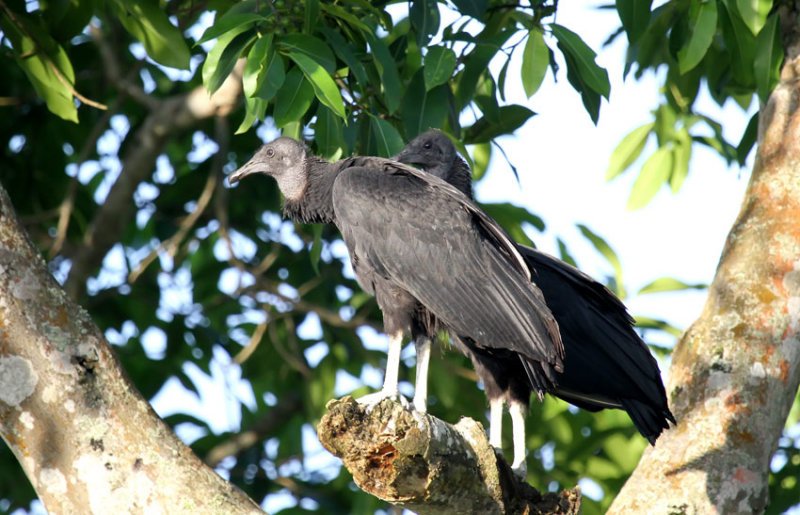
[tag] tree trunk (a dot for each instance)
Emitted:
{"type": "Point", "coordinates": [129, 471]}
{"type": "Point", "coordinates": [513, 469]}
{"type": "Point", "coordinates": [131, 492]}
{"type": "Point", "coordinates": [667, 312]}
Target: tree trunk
{"type": "Point", "coordinates": [735, 373]}
{"type": "Point", "coordinates": [87, 440]}
{"type": "Point", "coordinates": [419, 462]}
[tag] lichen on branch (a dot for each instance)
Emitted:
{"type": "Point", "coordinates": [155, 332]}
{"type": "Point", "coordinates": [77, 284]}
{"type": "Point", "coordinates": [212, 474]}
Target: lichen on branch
{"type": "Point", "coordinates": [419, 462]}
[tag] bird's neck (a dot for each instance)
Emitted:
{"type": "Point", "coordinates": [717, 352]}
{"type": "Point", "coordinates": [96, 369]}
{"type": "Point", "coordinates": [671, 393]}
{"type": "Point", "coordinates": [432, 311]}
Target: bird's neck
{"type": "Point", "coordinates": [315, 204]}
{"type": "Point", "coordinates": [461, 177]}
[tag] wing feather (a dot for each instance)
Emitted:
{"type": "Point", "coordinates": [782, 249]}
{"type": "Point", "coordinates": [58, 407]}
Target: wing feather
{"type": "Point", "coordinates": [428, 239]}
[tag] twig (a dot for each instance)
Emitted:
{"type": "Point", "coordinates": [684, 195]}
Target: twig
{"type": "Point", "coordinates": [289, 358]}
{"type": "Point", "coordinates": [244, 354]}
{"type": "Point", "coordinates": [172, 244]}
{"type": "Point", "coordinates": [111, 68]}
{"type": "Point", "coordinates": [287, 405]}
{"type": "Point", "coordinates": [43, 55]}
{"type": "Point", "coordinates": [68, 204]}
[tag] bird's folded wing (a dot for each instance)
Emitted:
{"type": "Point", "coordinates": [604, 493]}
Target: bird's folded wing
{"type": "Point", "coordinates": [599, 328]}
{"type": "Point", "coordinates": [430, 240]}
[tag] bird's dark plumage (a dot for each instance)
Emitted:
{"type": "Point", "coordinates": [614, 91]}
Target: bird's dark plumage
{"type": "Point", "coordinates": [606, 364]}
{"type": "Point", "coordinates": [423, 249]}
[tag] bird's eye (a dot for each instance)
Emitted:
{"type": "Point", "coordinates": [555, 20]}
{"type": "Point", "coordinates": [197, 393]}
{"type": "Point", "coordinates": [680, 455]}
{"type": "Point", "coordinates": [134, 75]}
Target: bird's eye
{"type": "Point", "coordinates": [427, 145]}
{"type": "Point", "coordinates": [270, 152]}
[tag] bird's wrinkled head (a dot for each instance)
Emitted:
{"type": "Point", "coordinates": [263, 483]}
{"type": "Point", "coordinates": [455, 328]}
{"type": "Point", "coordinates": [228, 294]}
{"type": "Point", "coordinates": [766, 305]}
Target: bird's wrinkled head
{"type": "Point", "coordinates": [431, 151]}
{"type": "Point", "coordinates": [285, 160]}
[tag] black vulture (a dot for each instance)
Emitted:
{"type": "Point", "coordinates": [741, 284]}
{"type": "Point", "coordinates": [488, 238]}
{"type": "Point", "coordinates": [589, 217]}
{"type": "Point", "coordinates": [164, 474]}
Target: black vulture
{"type": "Point", "coordinates": [428, 254]}
{"type": "Point", "coordinates": [606, 364]}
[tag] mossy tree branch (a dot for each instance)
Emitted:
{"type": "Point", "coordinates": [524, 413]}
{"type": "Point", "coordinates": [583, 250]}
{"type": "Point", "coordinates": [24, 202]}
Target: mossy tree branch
{"type": "Point", "coordinates": [419, 462]}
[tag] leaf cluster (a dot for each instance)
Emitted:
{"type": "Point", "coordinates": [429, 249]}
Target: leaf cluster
{"type": "Point", "coordinates": [732, 48]}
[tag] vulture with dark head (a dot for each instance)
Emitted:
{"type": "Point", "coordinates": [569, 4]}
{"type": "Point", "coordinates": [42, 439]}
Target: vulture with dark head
{"type": "Point", "coordinates": [606, 364]}
{"type": "Point", "coordinates": [431, 257]}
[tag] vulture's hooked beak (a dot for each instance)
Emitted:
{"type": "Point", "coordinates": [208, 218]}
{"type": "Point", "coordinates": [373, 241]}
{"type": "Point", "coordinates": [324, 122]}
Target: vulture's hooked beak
{"type": "Point", "coordinates": [249, 168]}
{"type": "Point", "coordinates": [411, 158]}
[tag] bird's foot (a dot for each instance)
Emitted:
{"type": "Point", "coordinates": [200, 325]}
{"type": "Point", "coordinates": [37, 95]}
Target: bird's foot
{"type": "Point", "coordinates": [373, 399]}
{"type": "Point", "coordinates": [520, 469]}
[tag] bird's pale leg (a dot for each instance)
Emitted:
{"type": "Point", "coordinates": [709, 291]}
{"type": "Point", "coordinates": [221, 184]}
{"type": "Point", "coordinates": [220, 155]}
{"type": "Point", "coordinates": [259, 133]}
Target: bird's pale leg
{"type": "Point", "coordinates": [390, 380]}
{"type": "Point", "coordinates": [496, 423]}
{"type": "Point", "coordinates": [393, 365]}
{"type": "Point", "coordinates": [517, 412]}
{"type": "Point", "coordinates": [423, 347]}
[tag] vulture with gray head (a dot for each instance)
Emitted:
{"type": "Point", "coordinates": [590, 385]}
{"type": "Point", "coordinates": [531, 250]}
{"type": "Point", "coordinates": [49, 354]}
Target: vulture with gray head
{"type": "Point", "coordinates": [606, 364]}
{"type": "Point", "coordinates": [431, 257]}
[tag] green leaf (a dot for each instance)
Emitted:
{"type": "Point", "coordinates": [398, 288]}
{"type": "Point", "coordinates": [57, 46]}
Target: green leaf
{"type": "Point", "coordinates": [270, 82]}
{"type": "Point", "coordinates": [257, 64]}
{"type": "Point", "coordinates": [474, 8]}
{"type": "Point", "coordinates": [768, 58]}
{"type": "Point", "coordinates": [147, 21]}
{"type": "Point", "coordinates": [486, 98]}
{"type": "Point", "coordinates": [255, 109]}
{"type": "Point", "coordinates": [310, 15]}
{"type": "Point", "coordinates": [703, 26]}
{"type": "Point", "coordinates": [512, 117]}
{"type": "Point", "coordinates": [325, 89]}
{"type": "Point", "coordinates": [423, 110]}
{"type": "Point", "coordinates": [654, 174]}
{"type": "Point", "coordinates": [387, 68]}
{"type": "Point", "coordinates": [222, 58]}
{"type": "Point", "coordinates": [439, 65]}
{"type": "Point", "coordinates": [635, 17]}
{"type": "Point", "coordinates": [41, 73]}
{"type": "Point", "coordinates": [535, 59]}
{"type": "Point", "coordinates": [664, 128]}
{"type": "Point", "coordinates": [229, 21]}
{"type": "Point", "coordinates": [748, 140]}
{"type": "Point", "coordinates": [335, 11]}
{"type": "Point", "coordinates": [754, 13]}
{"type": "Point", "coordinates": [681, 155]}
{"type": "Point", "coordinates": [476, 64]}
{"type": "Point", "coordinates": [294, 129]}
{"type": "Point", "coordinates": [607, 252]}
{"type": "Point", "coordinates": [424, 16]}
{"type": "Point", "coordinates": [583, 57]}
{"type": "Point", "coordinates": [481, 155]}
{"type": "Point", "coordinates": [628, 150]}
{"type": "Point", "coordinates": [294, 98]}
{"type": "Point", "coordinates": [591, 99]}
{"type": "Point", "coordinates": [643, 322]}
{"type": "Point", "coordinates": [347, 54]}
{"type": "Point", "coordinates": [387, 138]}
{"type": "Point", "coordinates": [663, 284]}
{"type": "Point", "coordinates": [740, 42]}
{"type": "Point", "coordinates": [328, 135]}
{"type": "Point", "coordinates": [512, 217]}
{"type": "Point", "coordinates": [564, 253]}
{"type": "Point", "coordinates": [311, 46]}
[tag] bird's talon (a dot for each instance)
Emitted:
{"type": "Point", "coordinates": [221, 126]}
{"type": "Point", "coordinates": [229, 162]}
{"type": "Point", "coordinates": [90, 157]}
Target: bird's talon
{"type": "Point", "coordinates": [371, 400]}
{"type": "Point", "coordinates": [520, 470]}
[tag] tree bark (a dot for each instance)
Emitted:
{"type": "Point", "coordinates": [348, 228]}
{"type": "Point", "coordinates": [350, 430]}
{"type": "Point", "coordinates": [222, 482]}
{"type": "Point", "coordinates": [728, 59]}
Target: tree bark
{"type": "Point", "coordinates": [86, 439]}
{"type": "Point", "coordinates": [419, 462]}
{"type": "Point", "coordinates": [734, 373]}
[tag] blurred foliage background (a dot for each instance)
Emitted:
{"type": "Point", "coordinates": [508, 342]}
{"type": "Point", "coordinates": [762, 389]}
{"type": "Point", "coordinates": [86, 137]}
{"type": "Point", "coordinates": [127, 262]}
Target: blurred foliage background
{"type": "Point", "coordinates": [205, 289]}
